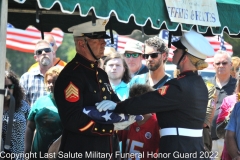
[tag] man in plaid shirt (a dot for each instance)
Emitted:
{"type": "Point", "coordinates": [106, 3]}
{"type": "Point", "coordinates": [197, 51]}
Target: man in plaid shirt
{"type": "Point", "coordinates": [33, 81]}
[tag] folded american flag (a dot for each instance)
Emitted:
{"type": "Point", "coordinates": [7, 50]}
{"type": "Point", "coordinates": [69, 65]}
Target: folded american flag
{"type": "Point", "coordinates": [107, 117]}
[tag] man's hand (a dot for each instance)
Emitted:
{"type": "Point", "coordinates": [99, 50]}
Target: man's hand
{"type": "Point", "coordinates": [106, 105]}
{"type": "Point", "coordinates": [125, 124]}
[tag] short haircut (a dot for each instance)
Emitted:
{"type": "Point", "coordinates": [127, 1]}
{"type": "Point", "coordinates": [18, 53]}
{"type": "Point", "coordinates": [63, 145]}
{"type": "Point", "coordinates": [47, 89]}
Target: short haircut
{"type": "Point", "coordinates": [139, 89]}
{"type": "Point", "coordinates": [221, 52]}
{"type": "Point", "coordinates": [126, 75]}
{"type": "Point", "coordinates": [43, 41]}
{"type": "Point", "coordinates": [159, 44]}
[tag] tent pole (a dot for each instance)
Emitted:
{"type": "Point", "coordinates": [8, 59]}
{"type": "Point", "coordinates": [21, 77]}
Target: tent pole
{"type": "Point", "coordinates": [3, 31]}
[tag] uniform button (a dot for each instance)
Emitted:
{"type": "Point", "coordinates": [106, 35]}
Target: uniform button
{"type": "Point", "coordinates": [110, 92]}
{"type": "Point", "coordinates": [92, 65]}
{"type": "Point", "coordinates": [76, 62]}
{"type": "Point", "coordinates": [110, 131]}
{"type": "Point", "coordinates": [100, 81]}
{"type": "Point", "coordinates": [95, 91]}
{"type": "Point", "coordinates": [103, 130]}
{"type": "Point", "coordinates": [105, 97]}
{"type": "Point", "coordinates": [103, 89]}
{"type": "Point", "coordinates": [95, 129]}
{"type": "Point", "coordinates": [97, 73]}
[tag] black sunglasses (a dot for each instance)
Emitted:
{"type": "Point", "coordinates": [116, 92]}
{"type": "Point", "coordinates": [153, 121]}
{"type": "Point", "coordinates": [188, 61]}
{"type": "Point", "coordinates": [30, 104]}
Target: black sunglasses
{"type": "Point", "coordinates": [134, 55]}
{"type": "Point", "coordinates": [9, 86]}
{"type": "Point", "coordinates": [219, 63]}
{"type": "Point", "coordinates": [47, 50]}
{"type": "Point", "coordinates": [152, 55]}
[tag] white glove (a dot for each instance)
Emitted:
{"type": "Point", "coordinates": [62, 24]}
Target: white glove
{"type": "Point", "coordinates": [106, 105]}
{"type": "Point", "coordinates": [124, 124]}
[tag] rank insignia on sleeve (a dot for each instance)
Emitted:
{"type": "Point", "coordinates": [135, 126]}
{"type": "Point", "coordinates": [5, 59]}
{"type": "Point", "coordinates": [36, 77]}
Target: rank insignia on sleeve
{"type": "Point", "coordinates": [163, 90]}
{"type": "Point", "coordinates": [72, 93]}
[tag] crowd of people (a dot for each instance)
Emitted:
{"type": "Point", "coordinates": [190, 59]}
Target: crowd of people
{"type": "Point", "coordinates": [184, 117]}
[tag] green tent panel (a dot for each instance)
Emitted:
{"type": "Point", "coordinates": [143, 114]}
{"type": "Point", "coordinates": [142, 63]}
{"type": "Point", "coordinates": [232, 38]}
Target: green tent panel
{"type": "Point", "coordinates": [128, 15]}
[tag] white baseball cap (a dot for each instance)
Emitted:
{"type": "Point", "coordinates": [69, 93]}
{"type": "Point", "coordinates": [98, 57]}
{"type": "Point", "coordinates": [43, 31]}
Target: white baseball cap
{"type": "Point", "coordinates": [134, 46]}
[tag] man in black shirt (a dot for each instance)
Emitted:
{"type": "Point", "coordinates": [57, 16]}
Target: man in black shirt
{"type": "Point", "coordinates": [225, 86]}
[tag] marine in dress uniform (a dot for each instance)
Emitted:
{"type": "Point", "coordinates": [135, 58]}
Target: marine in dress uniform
{"type": "Point", "coordinates": [82, 83]}
{"type": "Point", "coordinates": [180, 105]}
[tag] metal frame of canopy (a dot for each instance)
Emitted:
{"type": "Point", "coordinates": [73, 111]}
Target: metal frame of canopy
{"type": "Point", "coordinates": [3, 30]}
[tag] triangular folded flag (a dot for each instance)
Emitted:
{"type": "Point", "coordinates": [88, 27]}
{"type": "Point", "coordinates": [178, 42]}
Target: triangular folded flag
{"type": "Point", "coordinates": [107, 117]}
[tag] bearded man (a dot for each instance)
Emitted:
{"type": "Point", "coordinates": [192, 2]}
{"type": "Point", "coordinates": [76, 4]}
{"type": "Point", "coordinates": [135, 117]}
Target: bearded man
{"type": "Point", "coordinates": [155, 54]}
{"type": "Point", "coordinates": [33, 81]}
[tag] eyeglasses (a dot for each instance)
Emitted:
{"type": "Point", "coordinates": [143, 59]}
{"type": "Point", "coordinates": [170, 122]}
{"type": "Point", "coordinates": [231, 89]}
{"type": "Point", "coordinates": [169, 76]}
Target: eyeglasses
{"type": "Point", "coordinates": [47, 50]}
{"type": "Point", "coordinates": [9, 86]}
{"type": "Point", "coordinates": [219, 63]}
{"type": "Point", "coordinates": [153, 55]}
{"type": "Point", "coordinates": [134, 55]}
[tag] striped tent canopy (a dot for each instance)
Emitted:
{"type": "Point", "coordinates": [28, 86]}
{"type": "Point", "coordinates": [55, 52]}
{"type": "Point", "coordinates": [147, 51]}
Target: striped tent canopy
{"type": "Point", "coordinates": [125, 15]}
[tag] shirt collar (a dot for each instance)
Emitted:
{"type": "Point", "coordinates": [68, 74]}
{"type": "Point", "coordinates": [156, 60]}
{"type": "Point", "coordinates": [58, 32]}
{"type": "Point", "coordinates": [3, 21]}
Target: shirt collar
{"type": "Point", "coordinates": [120, 85]}
{"type": "Point", "coordinates": [231, 81]}
{"type": "Point", "coordinates": [36, 71]}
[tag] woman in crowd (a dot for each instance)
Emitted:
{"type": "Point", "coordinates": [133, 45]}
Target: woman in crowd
{"type": "Point", "coordinates": [235, 66]}
{"type": "Point", "coordinates": [20, 115]}
{"type": "Point", "coordinates": [44, 118]}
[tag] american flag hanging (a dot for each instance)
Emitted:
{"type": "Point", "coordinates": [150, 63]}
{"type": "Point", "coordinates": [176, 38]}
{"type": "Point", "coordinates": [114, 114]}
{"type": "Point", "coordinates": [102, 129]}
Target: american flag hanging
{"type": "Point", "coordinates": [119, 42]}
{"type": "Point", "coordinates": [25, 40]}
{"type": "Point", "coordinates": [222, 46]}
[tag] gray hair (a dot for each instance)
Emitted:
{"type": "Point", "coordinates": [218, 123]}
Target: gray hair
{"type": "Point", "coordinates": [43, 41]}
{"type": "Point", "coordinates": [221, 52]}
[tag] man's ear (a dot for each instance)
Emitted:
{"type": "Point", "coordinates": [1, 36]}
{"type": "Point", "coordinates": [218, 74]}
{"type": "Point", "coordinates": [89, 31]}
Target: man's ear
{"type": "Point", "coordinates": [164, 56]}
{"type": "Point", "coordinates": [81, 43]}
{"type": "Point", "coordinates": [36, 58]}
{"type": "Point", "coordinates": [185, 58]}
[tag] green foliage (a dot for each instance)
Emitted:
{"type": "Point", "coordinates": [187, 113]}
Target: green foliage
{"type": "Point", "coordinates": [67, 50]}
{"type": "Point", "coordinates": [20, 62]}
{"type": "Point", "coordinates": [235, 42]}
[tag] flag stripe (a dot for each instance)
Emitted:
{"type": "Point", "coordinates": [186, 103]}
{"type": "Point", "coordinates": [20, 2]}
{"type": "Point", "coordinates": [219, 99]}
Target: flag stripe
{"type": "Point", "coordinates": [25, 40]}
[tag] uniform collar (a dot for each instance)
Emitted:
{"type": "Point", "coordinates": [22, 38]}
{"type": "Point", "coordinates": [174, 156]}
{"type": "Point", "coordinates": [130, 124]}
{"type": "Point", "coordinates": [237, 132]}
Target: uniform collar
{"type": "Point", "coordinates": [85, 62]}
{"type": "Point", "coordinates": [188, 72]}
